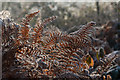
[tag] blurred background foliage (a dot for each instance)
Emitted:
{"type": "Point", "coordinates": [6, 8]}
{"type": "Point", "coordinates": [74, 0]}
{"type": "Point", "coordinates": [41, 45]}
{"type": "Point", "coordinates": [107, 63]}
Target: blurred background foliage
{"type": "Point", "coordinates": [69, 14]}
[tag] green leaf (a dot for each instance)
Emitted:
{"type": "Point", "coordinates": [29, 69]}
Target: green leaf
{"type": "Point", "coordinates": [97, 56]}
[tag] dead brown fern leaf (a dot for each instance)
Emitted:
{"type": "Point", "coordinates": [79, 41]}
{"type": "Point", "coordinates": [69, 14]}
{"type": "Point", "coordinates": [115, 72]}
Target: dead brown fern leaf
{"type": "Point", "coordinates": [30, 52]}
{"type": "Point", "coordinates": [64, 48]}
{"type": "Point", "coordinates": [60, 52]}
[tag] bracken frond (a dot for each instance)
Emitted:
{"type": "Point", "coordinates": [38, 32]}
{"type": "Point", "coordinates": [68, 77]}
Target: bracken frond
{"type": "Point", "coordinates": [58, 52]}
{"type": "Point", "coordinates": [106, 63]}
{"type": "Point", "coordinates": [65, 49]}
